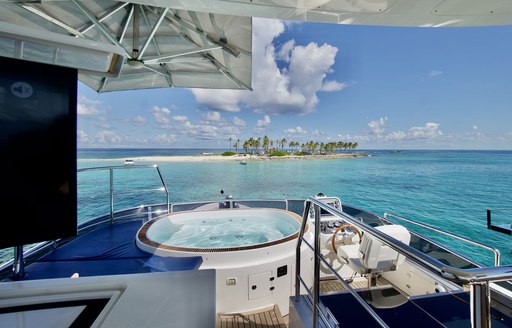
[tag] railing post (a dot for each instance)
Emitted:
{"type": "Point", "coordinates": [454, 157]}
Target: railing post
{"type": "Point", "coordinates": [298, 250]}
{"type": "Point", "coordinates": [316, 279]}
{"type": "Point", "coordinates": [488, 218]}
{"type": "Point", "coordinates": [480, 305]}
{"type": "Point", "coordinates": [111, 195]}
{"type": "Point", "coordinates": [18, 268]}
{"type": "Point", "coordinates": [168, 207]}
{"type": "Point", "coordinates": [165, 187]}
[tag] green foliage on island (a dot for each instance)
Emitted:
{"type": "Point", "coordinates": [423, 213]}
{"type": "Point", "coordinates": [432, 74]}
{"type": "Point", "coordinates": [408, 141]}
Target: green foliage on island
{"type": "Point", "coordinates": [228, 153]}
{"type": "Point", "coordinates": [275, 152]}
{"type": "Point", "coordinates": [276, 147]}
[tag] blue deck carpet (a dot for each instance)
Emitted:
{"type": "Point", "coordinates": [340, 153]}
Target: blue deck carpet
{"type": "Point", "coordinates": [107, 250]}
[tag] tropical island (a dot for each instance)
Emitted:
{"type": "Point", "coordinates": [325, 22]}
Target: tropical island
{"type": "Point", "coordinates": [310, 148]}
{"type": "Point", "coordinates": [257, 149]}
{"type": "Point", "coordinates": [261, 149]}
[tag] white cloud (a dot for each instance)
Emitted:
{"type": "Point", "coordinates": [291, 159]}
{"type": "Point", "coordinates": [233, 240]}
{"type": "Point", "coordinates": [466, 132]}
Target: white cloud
{"type": "Point", "coordinates": [297, 130]}
{"type": "Point", "coordinates": [291, 89]}
{"type": "Point", "coordinates": [103, 125]}
{"type": "Point", "coordinates": [430, 130]}
{"type": "Point", "coordinates": [206, 130]}
{"type": "Point", "coordinates": [82, 136]}
{"type": "Point", "coordinates": [87, 107]}
{"type": "Point", "coordinates": [329, 86]}
{"type": "Point", "coordinates": [180, 118]}
{"type": "Point", "coordinates": [377, 126]}
{"type": "Point", "coordinates": [188, 125]}
{"type": "Point", "coordinates": [238, 121]}
{"type": "Point", "coordinates": [435, 73]}
{"type": "Point", "coordinates": [265, 122]}
{"type": "Point", "coordinates": [164, 139]}
{"type": "Point", "coordinates": [213, 116]}
{"type": "Point", "coordinates": [108, 137]}
{"type": "Point", "coordinates": [224, 100]}
{"type": "Point", "coordinates": [286, 49]}
{"type": "Point", "coordinates": [161, 115]}
{"type": "Point", "coordinates": [317, 133]}
{"type": "Point", "coordinates": [475, 127]}
{"type": "Point", "coordinates": [397, 135]}
{"type": "Point", "coordinates": [139, 120]}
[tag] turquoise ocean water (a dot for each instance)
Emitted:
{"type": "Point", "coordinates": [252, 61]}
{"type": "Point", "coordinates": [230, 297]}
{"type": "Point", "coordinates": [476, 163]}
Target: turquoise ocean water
{"type": "Point", "coordinates": [450, 190]}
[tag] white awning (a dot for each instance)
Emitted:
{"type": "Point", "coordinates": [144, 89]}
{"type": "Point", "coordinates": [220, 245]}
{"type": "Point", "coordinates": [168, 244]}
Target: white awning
{"type": "Point", "coordinates": [207, 43]}
{"type": "Point", "coordinates": [162, 47]}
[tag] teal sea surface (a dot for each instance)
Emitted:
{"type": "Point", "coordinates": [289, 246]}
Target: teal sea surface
{"type": "Point", "coordinates": [450, 190]}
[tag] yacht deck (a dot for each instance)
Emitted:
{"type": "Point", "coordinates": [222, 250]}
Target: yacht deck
{"type": "Point", "coordinates": [107, 250]}
{"type": "Point", "coordinates": [267, 318]}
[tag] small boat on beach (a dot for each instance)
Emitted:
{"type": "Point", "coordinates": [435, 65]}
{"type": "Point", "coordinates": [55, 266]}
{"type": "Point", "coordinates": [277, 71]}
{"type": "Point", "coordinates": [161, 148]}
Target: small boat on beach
{"type": "Point", "coordinates": [129, 162]}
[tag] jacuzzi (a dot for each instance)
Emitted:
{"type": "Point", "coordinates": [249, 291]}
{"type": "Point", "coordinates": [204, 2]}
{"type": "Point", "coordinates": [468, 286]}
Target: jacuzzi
{"type": "Point", "coordinates": [252, 251]}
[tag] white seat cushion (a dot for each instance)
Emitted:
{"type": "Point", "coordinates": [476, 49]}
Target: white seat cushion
{"type": "Point", "coordinates": [372, 255]}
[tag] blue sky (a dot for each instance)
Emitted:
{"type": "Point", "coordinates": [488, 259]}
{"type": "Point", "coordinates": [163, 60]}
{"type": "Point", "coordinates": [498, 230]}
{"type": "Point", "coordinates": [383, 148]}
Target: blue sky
{"type": "Point", "coordinates": [383, 87]}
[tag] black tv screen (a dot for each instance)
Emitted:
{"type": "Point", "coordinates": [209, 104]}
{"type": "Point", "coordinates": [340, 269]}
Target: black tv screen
{"type": "Point", "coordinates": [37, 152]}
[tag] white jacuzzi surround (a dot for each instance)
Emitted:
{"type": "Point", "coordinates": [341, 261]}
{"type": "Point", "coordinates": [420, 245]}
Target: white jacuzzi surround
{"type": "Point", "coordinates": [246, 279]}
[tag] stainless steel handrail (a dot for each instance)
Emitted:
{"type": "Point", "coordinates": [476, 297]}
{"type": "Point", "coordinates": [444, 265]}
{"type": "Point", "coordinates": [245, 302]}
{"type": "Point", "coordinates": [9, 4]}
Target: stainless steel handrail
{"type": "Point", "coordinates": [478, 278]}
{"type": "Point", "coordinates": [496, 252]}
{"type": "Point", "coordinates": [498, 228]}
{"type": "Point", "coordinates": [232, 202]}
{"type": "Point", "coordinates": [111, 177]}
{"type": "Point", "coordinates": [316, 279]}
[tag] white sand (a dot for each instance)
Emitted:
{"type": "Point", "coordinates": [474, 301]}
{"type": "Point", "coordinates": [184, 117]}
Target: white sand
{"type": "Point", "coordinates": [219, 158]}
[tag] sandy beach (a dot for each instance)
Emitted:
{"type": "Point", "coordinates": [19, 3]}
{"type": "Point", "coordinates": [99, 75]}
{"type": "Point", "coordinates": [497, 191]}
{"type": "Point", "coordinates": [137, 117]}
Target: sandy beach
{"type": "Point", "coordinates": [239, 158]}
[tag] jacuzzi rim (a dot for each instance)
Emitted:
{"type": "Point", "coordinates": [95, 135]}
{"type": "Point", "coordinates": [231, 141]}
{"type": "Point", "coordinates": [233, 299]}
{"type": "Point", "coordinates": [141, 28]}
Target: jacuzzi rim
{"type": "Point", "coordinates": [141, 235]}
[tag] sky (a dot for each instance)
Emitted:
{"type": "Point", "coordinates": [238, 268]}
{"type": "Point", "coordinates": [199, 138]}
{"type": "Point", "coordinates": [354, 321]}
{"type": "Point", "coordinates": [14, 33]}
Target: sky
{"type": "Point", "coordinates": [382, 87]}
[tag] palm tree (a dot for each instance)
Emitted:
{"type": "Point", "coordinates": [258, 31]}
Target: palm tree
{"type": "Point", "coordinates": [291, 144]}
{"type": "Point", "coordinates": [230, 139]}
{"type": "Point", "coordinates": [266, 143]}
{"type": "Point", "coordinates": [339, 145]}
{"type": "Point", "coordinates": [236, 145]}
{"type": "Point", "coordinates": [331, 146]}
{"type": "Point", "coordinates": [250, 143]}
{"type": "Point", "coordinates": [246, 145]}
{"type": "Point", "coordinates": [257, 143]}
{"type": "Point", "coordinates": [283, 142]}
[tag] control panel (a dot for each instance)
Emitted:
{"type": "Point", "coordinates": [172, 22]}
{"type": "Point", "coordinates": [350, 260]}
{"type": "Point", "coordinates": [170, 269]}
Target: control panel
{"type": "Point", "coordinates": [329, 226]}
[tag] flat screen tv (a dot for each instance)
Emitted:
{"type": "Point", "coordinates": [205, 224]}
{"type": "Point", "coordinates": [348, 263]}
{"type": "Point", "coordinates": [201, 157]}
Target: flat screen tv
{"type": "Point", "coordinates": [37, 152]}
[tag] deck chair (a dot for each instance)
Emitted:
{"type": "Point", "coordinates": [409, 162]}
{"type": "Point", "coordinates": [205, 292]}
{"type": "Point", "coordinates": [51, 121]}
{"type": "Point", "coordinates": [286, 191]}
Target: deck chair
{"type": "Point", "coordinates": [372, 257]}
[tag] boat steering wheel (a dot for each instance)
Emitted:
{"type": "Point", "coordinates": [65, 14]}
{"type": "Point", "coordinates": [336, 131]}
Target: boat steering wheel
{"type": "Point", "coordinates": [334, 240]}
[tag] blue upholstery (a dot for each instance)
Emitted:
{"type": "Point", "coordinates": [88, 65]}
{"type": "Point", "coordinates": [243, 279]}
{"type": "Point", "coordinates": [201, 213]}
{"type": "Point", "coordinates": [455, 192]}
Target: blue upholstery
{"type": "Point", "coordinates": [433, 310]}
{"type": "Point", "coordinates": [107, 250]}
{"type": "Point", "coordinates": [110, 242]}
{"type": "Point", "coordinates": [349, 313]}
